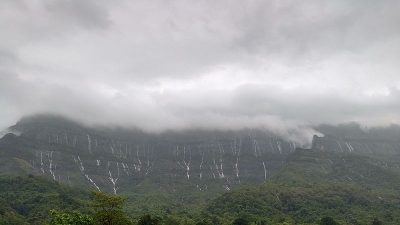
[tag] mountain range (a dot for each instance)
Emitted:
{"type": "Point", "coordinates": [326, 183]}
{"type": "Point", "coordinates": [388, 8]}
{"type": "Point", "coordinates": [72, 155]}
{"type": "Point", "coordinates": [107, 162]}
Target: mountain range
{"type": "Point", "coordinates": [177, 172]}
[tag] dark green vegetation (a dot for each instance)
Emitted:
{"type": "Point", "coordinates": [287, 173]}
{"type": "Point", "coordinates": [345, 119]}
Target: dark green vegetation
{"type": "Point", "coordinates": [107, 210]}
{"type": "Point", "coordinates": [313, 184]}
{"type": "Point", "coordinates": [70, 219]}
{"type": "Point", "coordinates": [197, 178]}
{"type": "Point", "coordinates": [28, 199]}
{"type": "Point", "coordinates": [313, 187]}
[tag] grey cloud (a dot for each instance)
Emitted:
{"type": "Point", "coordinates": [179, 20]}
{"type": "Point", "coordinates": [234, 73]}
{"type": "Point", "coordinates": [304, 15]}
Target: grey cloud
{"type": "Point", "coordinates": [314, 108]}
{"type": "Point", "coordinates": [89, 14]}
{"type": "Point", "coordinates": [7, 57]}
{"type": "Point", "coordinates": [295, 104]}
{"type": "Point", "coordinates": [288, 113]}
{"type": "Point", "coordinates": [7, 131]}
{"type": "Point", "coordinates": [182, 40]}
{"type": "Point", "coordinates": [315, 28]}
{"type": "Point", "coordinates": [133, 111]}
{"type": "Point", "coordinates": [283, 66]}
{"type": "Point", "coordinates": [32, 22]}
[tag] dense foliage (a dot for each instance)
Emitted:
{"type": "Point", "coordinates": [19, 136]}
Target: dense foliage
{"type": "Point", "coordinates": [75, 218]}
{"type": "Point", "coordinates": [108, 209]}
{"type": "Point", "coordinates": [308, 188]}
{"type": "Point", "coordinates": [28, 199]}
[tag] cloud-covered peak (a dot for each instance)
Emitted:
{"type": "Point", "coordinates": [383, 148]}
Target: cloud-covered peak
{"type": "Point", "coordinates": [278, 65]}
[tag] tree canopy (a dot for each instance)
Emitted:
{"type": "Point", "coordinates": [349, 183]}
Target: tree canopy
{"type": "Point", "coordinates": [108, 209]}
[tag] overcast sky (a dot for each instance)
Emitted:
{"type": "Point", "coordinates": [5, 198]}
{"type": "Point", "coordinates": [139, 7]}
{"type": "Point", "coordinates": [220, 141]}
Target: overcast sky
{"type": "Point", "coordinates": [281, 65]}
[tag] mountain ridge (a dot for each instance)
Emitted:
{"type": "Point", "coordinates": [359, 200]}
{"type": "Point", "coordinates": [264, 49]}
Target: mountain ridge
{"type": "Point", "coordinates": [182, 171]}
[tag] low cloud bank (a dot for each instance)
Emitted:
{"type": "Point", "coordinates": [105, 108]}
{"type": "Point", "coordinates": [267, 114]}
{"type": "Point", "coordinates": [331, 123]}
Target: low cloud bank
{"type": "Point", "coordinates": [209, 65]}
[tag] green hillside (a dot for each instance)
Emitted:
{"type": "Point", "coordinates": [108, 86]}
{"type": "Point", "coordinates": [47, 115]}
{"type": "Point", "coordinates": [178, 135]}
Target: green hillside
{"type": "Point", "coordinates": [28, 199]}
{"type": "Point", "coordinates": [349, 188]}
{"type": "Point", "coordinates": [215, 178]}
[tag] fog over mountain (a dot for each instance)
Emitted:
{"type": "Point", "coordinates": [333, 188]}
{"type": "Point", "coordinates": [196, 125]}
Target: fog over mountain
{"type": "Point", "coordinates": [283, 66]}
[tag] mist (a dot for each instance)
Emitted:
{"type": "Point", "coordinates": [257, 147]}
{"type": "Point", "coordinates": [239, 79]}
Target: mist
{"type": "Point", "coordinates": [281, 66]}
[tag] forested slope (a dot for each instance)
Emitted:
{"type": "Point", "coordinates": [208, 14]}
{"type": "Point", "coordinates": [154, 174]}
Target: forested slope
{"type": "Point", "coordinates": [352, 189]}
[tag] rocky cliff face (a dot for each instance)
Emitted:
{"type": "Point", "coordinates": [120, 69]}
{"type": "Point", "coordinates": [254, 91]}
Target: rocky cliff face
{"type": "Point", "coordinates": [352, 138]}
{"type": "Point", "coordinates": [117, 160]}
{"type": "Point", "coordinates": [123, 161]}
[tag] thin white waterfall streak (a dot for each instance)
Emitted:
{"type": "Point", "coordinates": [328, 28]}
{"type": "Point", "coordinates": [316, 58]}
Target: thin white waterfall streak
{"type": "Point", "coordinates": [41, 162]}
{"type": "Point", "coordinates": [221, 153]}
{"type": "Point", "coordinates": [98, 162]}
{"type": "Point", "coordinates": [235, 149]}
{"type": "Point", "coordinates": [212, 171]}
{"type": "Point", "coordinates": [217, 168]}
{"type": "Point", "coordinates": [66, 138]}
{"type": "Point", "coordinates": [126, 168]}
{"type": "Point", "coordinates": [201, 164]}
{"type": "Point", "coordinates": [272, 147]}
{"type": "Point", "coordinates": [265, 171]}
{"type": "Point", "coordinates": [89, 144]}
{"type": "Point", "coordinates": [278, 143]}
{"type": "Point", "coordinates": [236, 167]}
{"type": "Point", "coordinates": [112, 149]}
{"type": "Point", "coordinates": [215, 164]}
{"type": "Point", "coordinates": [176, 151]}
{"type": "Point", "coordinates": [126, 151]}
{"type": "Point", "coordinates": [257, 149]}
{"type": "Point", "coordinates": [149, 166]}
{"type": "Point", "coordinates": [113, 180]}
{"type": "Point", "coordinates": [351, 149]}
{"type": "Point", "coordinates": [240, 144]}
{"type": "Point", "coordinates": [82, 169]}
{"type": "Point", "coordinates": [74, 142]}
{"type": "Point", "coordinates": [80, 164]}
{"type": "Point", "coordinates": [139, 166]}
{"type": "Point", "coordinates": [50, 157]}
{"type": "Point", "coordinates": [341, 149]}
{"type": "Point", "coordinates": [187, 164]}
{"type": "Point", "coordinates": [68, 179]}
{"type": "Point", "coordinates": [32, 163]}
{"type": "Point", "coordinates": [221, 148]}
{"type": "Point", "coordinates": [91, 181]}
